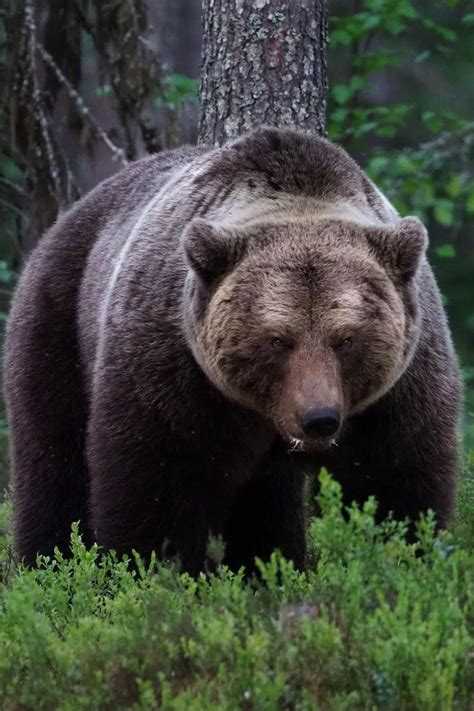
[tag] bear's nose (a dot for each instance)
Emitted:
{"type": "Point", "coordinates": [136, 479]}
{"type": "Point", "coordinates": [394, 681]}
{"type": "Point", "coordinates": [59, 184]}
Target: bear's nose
{"type": "Point", "coordinates": [320, 422]}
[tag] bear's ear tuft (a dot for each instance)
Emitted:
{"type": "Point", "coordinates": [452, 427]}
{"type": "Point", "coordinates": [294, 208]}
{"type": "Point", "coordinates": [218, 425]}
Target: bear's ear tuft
{"type": "Point", "coordinates": [400, 248]}
{"type": "Point", "coordinates": [212, 250]}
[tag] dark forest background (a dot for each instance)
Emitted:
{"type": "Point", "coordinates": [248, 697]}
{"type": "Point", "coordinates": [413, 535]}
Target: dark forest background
{"type": "Point", "coordinates": [87, 86]}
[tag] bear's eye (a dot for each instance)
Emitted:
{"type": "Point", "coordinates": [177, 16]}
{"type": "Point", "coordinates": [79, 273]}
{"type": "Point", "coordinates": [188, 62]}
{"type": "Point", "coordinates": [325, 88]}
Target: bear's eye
{"type": "Point", "coordinates": [280, 345]}
{"type": "Point", "coordinates": [342, 345]}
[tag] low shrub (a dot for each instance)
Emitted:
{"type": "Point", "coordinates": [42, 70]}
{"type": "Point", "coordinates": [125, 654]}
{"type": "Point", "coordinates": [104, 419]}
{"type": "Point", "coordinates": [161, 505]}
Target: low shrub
{"type": "Point", "coordinates": [375, 622]}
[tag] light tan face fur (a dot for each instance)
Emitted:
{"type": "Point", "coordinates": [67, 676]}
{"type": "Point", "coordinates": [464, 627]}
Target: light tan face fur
{"type": "Point", "coordinates": [308, 318]}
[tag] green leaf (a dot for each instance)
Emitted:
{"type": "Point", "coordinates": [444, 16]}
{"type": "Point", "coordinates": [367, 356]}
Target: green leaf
{"type": "Point", "coordinates": [447, 251]}
{"type": "Point", "coordinates": [340, 38]}
{"type": "Point", "coordinates": [10, 170]}
{"type": "Point", "coordinates": [338, 115]}
{"type": "Point", "coordinates": [453, 187]}
{"type": "Point", "coordinates": [433, 121]}
{"type": "Point", "coordinates": [386, 131]}
{"type": "Point", "coordinates": [469, 205]}
{"type": "Point", "coordinates": [404, 164]}
{"type": "Point", "coordinates": [378, 164]}
{"type": "Point", "coordinates": [182, 82]}
{"type": "Point", "coordinates": [444, 212]}
{"type": "Point", "coordinates": [444, 32]}
{"type": "Point", "coordinates": [6, 274]}
{"type": "Point", "coordinates": [369, 20]}
{"type": "Point", "coordinates": [104, 90]}
{"type": "Point", "coordinates": [369, 62]}
{"type": "Point", "coordinates": [424, 195]}
{"type": "Point", "coordinates": [176, 89]}
{"type": "Point", "coordinates": [422, 56]}
{"type": "Point", "coordinates": [342, 93]}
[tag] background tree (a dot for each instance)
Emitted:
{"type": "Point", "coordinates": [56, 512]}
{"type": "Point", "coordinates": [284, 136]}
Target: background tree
{"type": "Point", "coordinates": [263, 63]}
{"type": "Point", "coordinates": [86, 88]}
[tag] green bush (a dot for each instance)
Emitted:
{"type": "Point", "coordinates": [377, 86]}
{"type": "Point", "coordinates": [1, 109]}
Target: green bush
{"type": "Point", "coordinates": [375, 622]}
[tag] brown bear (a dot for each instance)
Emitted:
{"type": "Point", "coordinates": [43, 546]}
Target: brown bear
{"type": "Point", "coordinates": [206, 326]}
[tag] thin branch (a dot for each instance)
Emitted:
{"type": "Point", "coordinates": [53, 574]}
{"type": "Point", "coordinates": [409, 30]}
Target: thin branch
{"type": "Point", "coordinates": [85, 22]}
{"type": "Point", "coordinates": [30, 36]}
{"type": "Point", "coordinates": [18, 192]}
{"type": "Point", "coordinates": [81, 107]}
{"type": "Point", "coordinates": [11, 206]}
{"type": "Point", "coordinates": [122, 108]}
{"type": "Point", "coordinates": [6, 292]}
{"type": "Point", "coordinates": [447, 138]}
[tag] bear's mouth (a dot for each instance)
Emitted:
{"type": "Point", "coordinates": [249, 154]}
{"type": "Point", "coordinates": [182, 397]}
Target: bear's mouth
{"type": "Point", "coordinates": [305, 444]}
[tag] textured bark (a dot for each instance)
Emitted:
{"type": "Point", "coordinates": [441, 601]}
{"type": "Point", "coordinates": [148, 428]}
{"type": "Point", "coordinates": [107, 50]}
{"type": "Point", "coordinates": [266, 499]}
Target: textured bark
{"type": "Point", "coordinates": [264, 62]}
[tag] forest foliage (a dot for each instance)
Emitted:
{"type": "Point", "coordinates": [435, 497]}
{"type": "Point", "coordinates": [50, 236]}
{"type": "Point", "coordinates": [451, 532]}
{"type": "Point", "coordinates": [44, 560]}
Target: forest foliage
{"type": "Point", "coordinates": [374, 623]}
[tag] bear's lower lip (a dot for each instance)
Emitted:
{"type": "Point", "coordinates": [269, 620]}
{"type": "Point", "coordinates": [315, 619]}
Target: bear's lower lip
{"type": "Point", "coordinates": [305, 444]}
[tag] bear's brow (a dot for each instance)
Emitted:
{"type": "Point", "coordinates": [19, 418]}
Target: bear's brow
{"type": "Point", "coordinates": [287, 267]}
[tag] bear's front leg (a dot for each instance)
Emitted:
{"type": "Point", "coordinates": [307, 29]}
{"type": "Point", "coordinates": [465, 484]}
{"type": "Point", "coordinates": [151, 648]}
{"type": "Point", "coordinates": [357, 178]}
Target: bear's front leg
{"type": "Point", "coordinates": [146, 501]}
{"type": "Point", "coordinates": [268, 514]}
{"type": "Point", "coordinates": [148, 491]}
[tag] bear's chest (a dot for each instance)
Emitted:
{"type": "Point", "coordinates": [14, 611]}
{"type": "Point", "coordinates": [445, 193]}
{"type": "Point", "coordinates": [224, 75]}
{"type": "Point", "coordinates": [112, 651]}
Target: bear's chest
{"type": "Point", "coordinates": [231, 449]}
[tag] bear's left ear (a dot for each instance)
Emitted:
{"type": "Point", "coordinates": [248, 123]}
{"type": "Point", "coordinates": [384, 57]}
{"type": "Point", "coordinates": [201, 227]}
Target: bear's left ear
{"type": "Point", "coordinates": [211, 249]}
{"type": "Point", "coordinates": [400, 248]}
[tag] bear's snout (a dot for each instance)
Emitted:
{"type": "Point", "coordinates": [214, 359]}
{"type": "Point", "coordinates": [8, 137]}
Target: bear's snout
{"type": "Point", "coordinates": [320, 422]}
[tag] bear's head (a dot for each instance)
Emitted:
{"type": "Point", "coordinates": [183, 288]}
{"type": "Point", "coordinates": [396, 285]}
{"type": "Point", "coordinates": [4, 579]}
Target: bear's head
{"type": "Point", "coordinates": [305, 323]}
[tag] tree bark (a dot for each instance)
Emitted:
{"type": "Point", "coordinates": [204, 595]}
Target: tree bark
{"type": "Point", "coordinates": [264, 62]}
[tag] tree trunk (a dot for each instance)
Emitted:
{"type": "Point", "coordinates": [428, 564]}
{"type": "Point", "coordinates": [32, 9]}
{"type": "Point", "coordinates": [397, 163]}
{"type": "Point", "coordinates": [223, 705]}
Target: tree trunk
{"type": "Point", "coordinates": [264, 62]}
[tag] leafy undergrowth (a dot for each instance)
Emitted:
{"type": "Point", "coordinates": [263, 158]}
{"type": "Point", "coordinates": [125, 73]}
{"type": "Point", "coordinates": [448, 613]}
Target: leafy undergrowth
{"type": "Point", "coordinates": [375, 623]}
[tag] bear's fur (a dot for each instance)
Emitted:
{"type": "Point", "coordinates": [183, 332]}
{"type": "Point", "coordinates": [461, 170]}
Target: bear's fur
{"type": "Point", "coordinates": [172, 330]}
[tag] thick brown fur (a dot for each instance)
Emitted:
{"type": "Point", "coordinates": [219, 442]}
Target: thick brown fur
{"type": "Point", "coordinates": [170, 332]}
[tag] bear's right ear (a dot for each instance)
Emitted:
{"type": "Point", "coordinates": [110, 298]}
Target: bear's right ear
{"type": "Point", "coordinates": [400, 248]}
{"type": "Point", "coordinates": [212, 250]}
